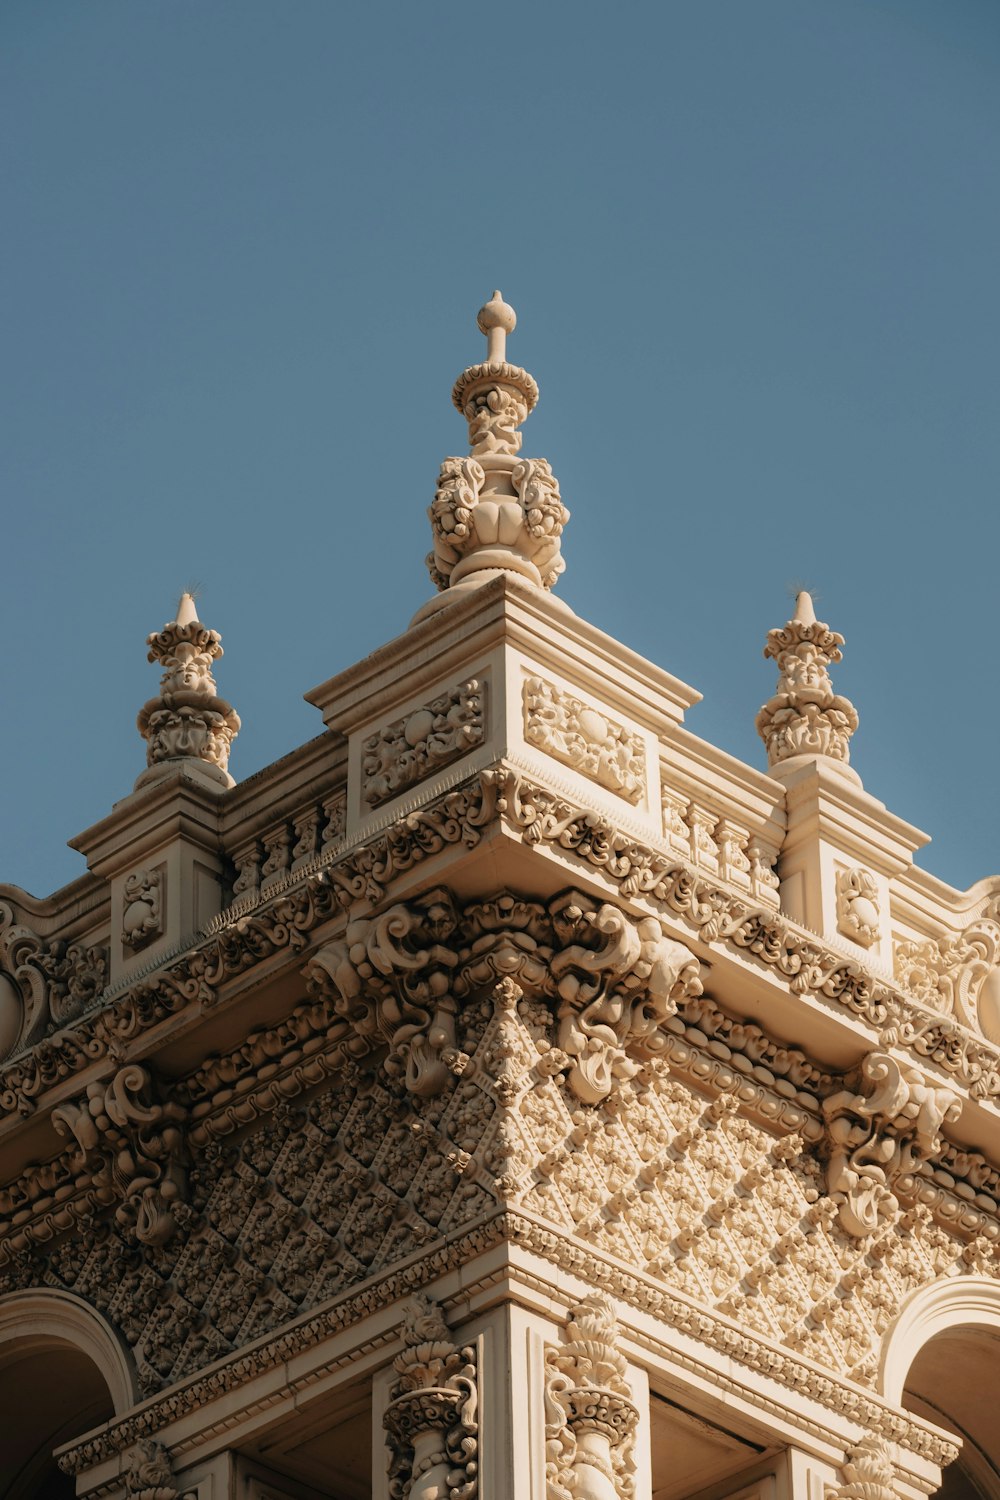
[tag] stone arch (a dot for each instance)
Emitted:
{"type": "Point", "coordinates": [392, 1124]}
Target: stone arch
{"type": "Point", "coordinates": [959, 1302]}
{"type": "Point", "coordinates": [63, 1371]}
{"type": "Point", "coordinates": [940, 1361]}
{"type": "Point", "coordinates": [44, 1320]}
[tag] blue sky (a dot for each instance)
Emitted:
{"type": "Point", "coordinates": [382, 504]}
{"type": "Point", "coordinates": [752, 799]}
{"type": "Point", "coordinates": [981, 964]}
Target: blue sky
{"type": "Point", "coordinates": [754, 254]}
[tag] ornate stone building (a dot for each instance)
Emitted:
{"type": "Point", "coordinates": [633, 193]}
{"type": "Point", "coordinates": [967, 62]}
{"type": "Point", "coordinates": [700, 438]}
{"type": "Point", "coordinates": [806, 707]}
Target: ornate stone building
{"type": "Point", "coordinates": [506, 1095]}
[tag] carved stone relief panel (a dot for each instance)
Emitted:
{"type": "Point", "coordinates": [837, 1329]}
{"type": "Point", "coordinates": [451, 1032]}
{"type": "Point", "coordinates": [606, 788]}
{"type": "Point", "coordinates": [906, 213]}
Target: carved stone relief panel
{"type": "Point", "coordinates": [143, 898]}
{"type": "Point", "coordinates": [423, 742]}
{"type": "Point", "coordinates": [585, 739]}
{"type": "Point", "coordinates": [858, 906]}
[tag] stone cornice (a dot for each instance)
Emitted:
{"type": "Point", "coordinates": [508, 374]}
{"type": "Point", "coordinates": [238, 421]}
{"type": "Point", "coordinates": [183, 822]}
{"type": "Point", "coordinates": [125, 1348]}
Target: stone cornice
{"type": "Point", "coordinates": [717, 1335]}
{"type": "Point", "coordinates": [362, 876]}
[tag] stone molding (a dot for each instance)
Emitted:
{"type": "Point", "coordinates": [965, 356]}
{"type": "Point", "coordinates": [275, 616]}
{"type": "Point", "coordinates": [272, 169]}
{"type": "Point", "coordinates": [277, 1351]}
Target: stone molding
{"type": "Point", "coordinates": [715, 1335]}
{"type": "Point", "coordinates": [365, 873]}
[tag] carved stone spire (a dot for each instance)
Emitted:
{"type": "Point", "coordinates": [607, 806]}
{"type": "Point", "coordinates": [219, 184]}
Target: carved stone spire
{"type": "Point", "coordinates": [806, 717]}
{"type": "Point", "coordinates": [188, 722]}
{"type": "Point", "coordinates": [493, 511]}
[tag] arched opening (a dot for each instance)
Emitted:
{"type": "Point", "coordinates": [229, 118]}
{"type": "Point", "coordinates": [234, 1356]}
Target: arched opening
{"type": "Point", "coordinates": [953, 1383]}
{"type": "Point", "coordinates": [62, 1372]}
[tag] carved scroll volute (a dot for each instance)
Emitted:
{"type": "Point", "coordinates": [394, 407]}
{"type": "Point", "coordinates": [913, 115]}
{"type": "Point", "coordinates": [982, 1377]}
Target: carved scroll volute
{"type": "Point", "coordinates": [135, 1147]}
{"type": "Point", "coordinates": [590, 1418]}
{"type": "Point", "coordinates": [876, 1137]}
{"type": "Point", "coordinates": [614, 997]}
{"type": "Point", "coordinates": [432, 1421]}
{"type": "Point", "coordinates": [390, 977]}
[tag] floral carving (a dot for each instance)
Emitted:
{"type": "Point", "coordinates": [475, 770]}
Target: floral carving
{"type": "Point", "coordinates": [134, 1148]}
{"type": "Point", "coordinates": [858, 906]}
{"type": "Point", "coordinates": [590, 1418]}
{"type": "Point", "coordinates": [142, 918]}
{"type": "Point", "coordinates": [877, 1137]}
{"type": "Point", "coordinates": [432, 1421]}
{"type": "Point", "coordinates": [584, 739]}
{"type": "Point", "coordinates": [149, 1474]}
{"type": "Point", "coordinates": [188, 721]}
{"type": "Point", "coordinates": [458, 488]}
{"type": "Point", "coordinates": [422, 742]}
{"type": "Point", "coordinates": [805, 716]}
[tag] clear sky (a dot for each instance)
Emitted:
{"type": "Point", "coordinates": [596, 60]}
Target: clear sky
{"type": "Point", "coordinates": [753, 249]}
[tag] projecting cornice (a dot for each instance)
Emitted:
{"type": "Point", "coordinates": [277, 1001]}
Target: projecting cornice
{"type": "Point", "coordinates": [800, 986]}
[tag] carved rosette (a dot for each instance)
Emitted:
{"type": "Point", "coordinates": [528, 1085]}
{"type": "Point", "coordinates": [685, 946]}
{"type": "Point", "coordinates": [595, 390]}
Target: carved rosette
{"type": "Point", "coordinates": [858, 906]}
{"type": "Point", "coordinates": [432, 1422]}
{"type": "Point", "coordinates": [133, 1147]}
{"type": "Point", "coordinates": [422, 742]}
{"type": "Point", "coordinates": [613, 979]}
{"type": "Point", "coordinates": [805, 716]}
{"type": "Point", "coordinates": [188, 721]}
{"type": "Point", "coordinates": [494, 511]}
{"type": "Point", "coordinates": [590, 1418]}
{"type": "Point", "coordinates": [874, 1138]}
{"type": "Point", "coordinates": [584, 739]}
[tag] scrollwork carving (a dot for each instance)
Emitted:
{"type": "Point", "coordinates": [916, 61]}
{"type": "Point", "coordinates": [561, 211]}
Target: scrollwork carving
{"type": "Point", "coordinates": [423, 742]}
{"type": "Point", "coordinates": [142, 917]}
{"type": "Point", "coordinates": [876, 1137]}
{"type": "Point", "coordinates": [133, 1146]}
{"type": "Point", "coordinates": [868, 1472]}
{"type": "Point", "coordinates": [584, 739]}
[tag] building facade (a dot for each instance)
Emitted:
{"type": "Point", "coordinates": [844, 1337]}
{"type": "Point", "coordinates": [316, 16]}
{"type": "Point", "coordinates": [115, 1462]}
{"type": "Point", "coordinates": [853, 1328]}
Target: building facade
{"type": "Point", "coordinates": [507, 1095]}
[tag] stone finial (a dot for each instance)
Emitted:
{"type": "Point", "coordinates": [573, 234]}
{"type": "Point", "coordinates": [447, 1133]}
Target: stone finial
{"type": "Point", "coordinates": [188, 722]}
{"type": "Point", "coordinates": [805, 717]}
{"type": "Point", "coordinates": [493, 511]}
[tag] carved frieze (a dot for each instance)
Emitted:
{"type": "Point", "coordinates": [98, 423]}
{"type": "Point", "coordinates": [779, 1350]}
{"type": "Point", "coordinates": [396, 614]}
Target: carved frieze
{"type": "Point", "coordinates": [858, 906]}
{"type": "Point", "coordinates": [878, 1136]}
{"type": "Point", "coordinates": [423, 742]}
{"type": "Point", "coordinates": [432, 1421]}
{"type": "Point", "coordinates": [580, 737]}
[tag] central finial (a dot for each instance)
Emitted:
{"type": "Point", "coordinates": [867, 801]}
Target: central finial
{"type": "Point", "coordinates": [493, 511]}
{"type": "Point", "coordinates": [805, 717]}
{"type": "Point", "coordinates": [496, 319]}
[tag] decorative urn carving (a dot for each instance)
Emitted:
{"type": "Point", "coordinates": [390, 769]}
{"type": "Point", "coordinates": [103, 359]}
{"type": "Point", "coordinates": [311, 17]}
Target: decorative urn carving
{"type": "Point", "coordinates": [805, 716]}
{"type": "Point", "coordinates": [493, 511]}
{"type": "Point", "coordinates": [188, 722]}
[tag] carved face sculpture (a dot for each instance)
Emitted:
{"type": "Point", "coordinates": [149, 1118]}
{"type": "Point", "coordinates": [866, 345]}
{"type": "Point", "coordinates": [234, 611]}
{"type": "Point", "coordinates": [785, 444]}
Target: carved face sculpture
{"type": "Point", "coordinates": [189, 670]}
{"type": "Point", "coordinates": [804, 673]}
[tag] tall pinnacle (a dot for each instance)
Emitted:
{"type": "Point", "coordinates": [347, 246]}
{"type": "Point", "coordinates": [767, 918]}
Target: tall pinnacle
{"type": "Point", "coordinates": [494, 512]}
{"type": "Point", "coordinates": [805, 717]}
{"type": "Point", "coordinates": [188, 722]}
